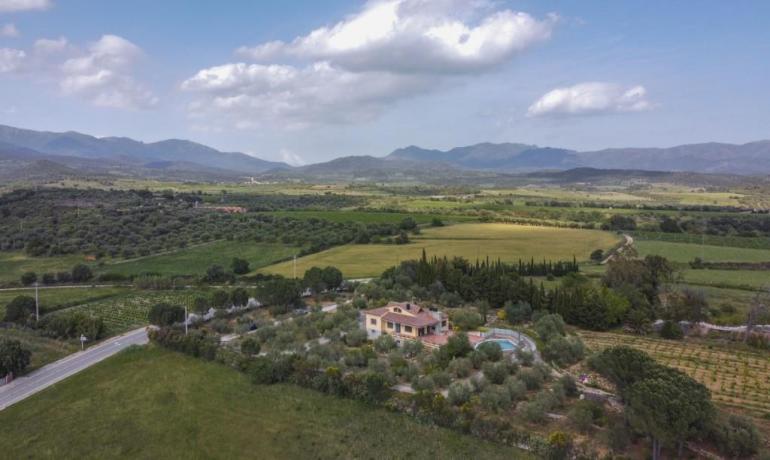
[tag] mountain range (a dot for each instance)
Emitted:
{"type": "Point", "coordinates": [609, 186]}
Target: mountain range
{"type": "Point", "coordinates": [28, 154]}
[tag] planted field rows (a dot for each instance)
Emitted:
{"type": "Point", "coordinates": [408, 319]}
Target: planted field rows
{"type": "Point", "coordinates": [737, 378]}
{"type": "Point", "coordinates": [128, 312]}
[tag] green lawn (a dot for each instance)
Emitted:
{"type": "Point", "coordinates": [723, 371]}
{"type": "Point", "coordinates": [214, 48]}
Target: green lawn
{"type": "Point", "coordinates": [195, 260]}
{"type": "Point", "coordinates": [152, 403]}
{"type": "Point", "coordinates": [684, 252]}
{"type": "Point", "coordinates": [505, 241]}
{"type": "Point", "coordinates": [14, 264]}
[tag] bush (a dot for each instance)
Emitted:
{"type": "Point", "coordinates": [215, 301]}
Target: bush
{"type": "Point", "coordinates": [564, 351]}
{"type": "Point", "coordinates": [491, 351]}
{"type": "Point", "coordinates": [671, 331]}
{"type": "Point", "coordinates": [13, 357]}
{"type": "Point", "coordinates": [495, 372]}
{"type": "Point", "coordinates": [516, 388]}
{"type": "Point", "coordinates": [250, 346]}
{"type": "Point", "coordinates": [568, 385]}
{"type": "Point", "coordinates": [517, 313]}
{"type": "Point", "coordinates": [459, 393]}
{"type": "Point", "coordinates": [460, 367]}
{"type": "Point", "coordinates": [72, 325]}
{"type": "Point", "coordinates": [466, 320]}
{"type": "Point", "coordinates": [549, 326]}
{"type": "Point", "coordinates": [164, 314]}
{"type": "Point", "coordinates": [384, 343]}
{"type": "Point", "coordinates": [19, 309]}
{"type": "Point", "coordinates": [531, 378]}
{"type": "Point", "coordinates": [495, 398]}
{"type": "Point", "coordinates": [240, 266]}
{"type": "Point", "coordinates": [355, 338]}
{"type": "Point", "coordinates": [411, 348]}
{"type": "Point", "coordinates": [583, 415]}
{"type": "Point", "coordinates": [533, 411]}
{"type": "Point", "coordinates": [81, 273]}
{"type": "Point", "coordinates": [28, 278]}
{"type": "Point", "coordinates": [737, 437]}
{"type": "Point", "coordinates": [525, 357]}
{"type": "Point", "coordinates": [424, 383]}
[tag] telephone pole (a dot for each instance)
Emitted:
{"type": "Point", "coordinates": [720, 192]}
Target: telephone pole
{"type": "Point", "coordinates": [295, 266]}
{"type": "Point", "coordinates": [37, 303]}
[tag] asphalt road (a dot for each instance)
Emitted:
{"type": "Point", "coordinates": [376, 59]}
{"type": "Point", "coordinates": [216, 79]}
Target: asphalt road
{"type": "Point", "coordinates": [46, 376]}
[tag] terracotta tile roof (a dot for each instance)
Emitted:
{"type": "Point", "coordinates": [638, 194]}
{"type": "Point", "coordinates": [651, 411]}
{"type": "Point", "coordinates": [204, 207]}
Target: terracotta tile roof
{"type": "Point", "coordinates": [420, 320]}
{"type": "Point", "coordinates": [377, 311]}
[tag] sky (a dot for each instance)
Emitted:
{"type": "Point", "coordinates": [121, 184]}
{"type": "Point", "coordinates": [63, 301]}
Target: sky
{"type": "Point", "coordinates": [308, 81]}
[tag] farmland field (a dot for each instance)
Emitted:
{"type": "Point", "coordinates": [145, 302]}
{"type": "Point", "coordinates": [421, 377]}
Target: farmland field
{"type": "Point", "coordinates": [742, 279]}
{"type": "Point", "coordinates": [195, 260]}
{"type": "Point", "coordinates": [736, 377]}
{"type": "Point", "coordinates": [684, 252]}
{"type": "Point", "coordinates": [152, 403]}
{"type": "Point", "coordinates": [14, 264]}
{"type": "Point", "coordinates": [52, 299]}
{"type": "Point", "coordinates": [128, 311]}
{"type": "Point", "coordinates": [505, 241]}
{"type": "Point", "coordinates": [367, 217]}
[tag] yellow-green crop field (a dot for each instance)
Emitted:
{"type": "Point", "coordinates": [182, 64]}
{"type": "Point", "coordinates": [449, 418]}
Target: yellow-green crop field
{"type": "Point", "coordinates": [507, 242]}
{"type": "Point", "coordinates": [685, 252]}
{"type": "Point", "coordinates": [737, 378]}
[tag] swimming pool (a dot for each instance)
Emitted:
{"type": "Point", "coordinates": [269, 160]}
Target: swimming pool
{"type": "Point", "coordinates": [505, 344]}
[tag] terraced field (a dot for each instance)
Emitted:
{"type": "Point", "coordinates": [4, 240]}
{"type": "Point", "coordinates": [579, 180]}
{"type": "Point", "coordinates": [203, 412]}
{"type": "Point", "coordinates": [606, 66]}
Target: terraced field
{"type": "Point", "coordinates": [507, 242]}
{"type": "Point", "coordinates": [737, 378]}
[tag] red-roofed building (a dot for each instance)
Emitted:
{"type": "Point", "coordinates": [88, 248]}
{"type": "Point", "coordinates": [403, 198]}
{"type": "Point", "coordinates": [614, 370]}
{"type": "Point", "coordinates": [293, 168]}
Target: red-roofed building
{"type": "Point", "coordinates": [405, 320]}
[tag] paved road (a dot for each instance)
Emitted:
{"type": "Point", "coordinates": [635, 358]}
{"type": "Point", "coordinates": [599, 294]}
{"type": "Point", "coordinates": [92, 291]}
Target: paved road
{"type": "Point", "coordinates": [46, 376]}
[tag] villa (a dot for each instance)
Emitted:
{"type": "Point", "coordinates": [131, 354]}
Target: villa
{"type": "Point", "coordinates": [407, 320]}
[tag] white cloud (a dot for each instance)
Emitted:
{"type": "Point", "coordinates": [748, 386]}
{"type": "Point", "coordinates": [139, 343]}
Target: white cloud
{"type": "Point", "coordinates": [24, 5]}
{"type": "Point", "coordinates": [11, 60]}
{"type": "Point", "coordinates": [101, 72]}
{"type": "Point", "coordinates": [292, 158]}
{"type": "Point", "coordinates": [416, 36]}
{"type": "Point", "coordinates": [354, 70]}
{"type": "Point", "coordinates": [590, 98]}
{"type": "Point", "coordinates": [294, 97]}
{"type": "Point", "coordinates": [9, 30]}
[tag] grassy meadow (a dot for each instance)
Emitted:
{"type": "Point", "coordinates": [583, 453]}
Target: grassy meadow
{"type": "Point", "coordinates": [684, 252]}
{"type": "Point", "coordinates": [14, 264]}
{"type": "Point", "coordinates": [195, 260]}
{"type": "Point", "coordinates": [55, 298]}
{"type": "Point", "coordinates": [152, 403]}
{"type": "Point", "coordinates": [44, 350]}
{"type": "Point", "coordinates": [505, 241]}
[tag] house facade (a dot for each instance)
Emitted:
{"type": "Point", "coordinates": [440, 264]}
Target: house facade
{"type": "Point", "coordinates": [405, 320]}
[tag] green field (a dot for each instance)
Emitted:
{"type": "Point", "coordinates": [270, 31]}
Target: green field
{"type": "Point", "coordinates": [368, 217]}
{"type": "Point", "coordinates": [195, 260]}
{"type": "Point", "coordinates": [14, 264]}
{"type": "Point", "coordinates": [44, 350]}
{"type": "Point", "coordinates": [505, 241]}
{"type": "Point", "coordinates": [683, 252]}
{"type": "Point", "coordinates": [52, 299]}
{"type": "Point", "coordinates": [152, 403]}
{"type": "Point", "coordinates": [741, 279]}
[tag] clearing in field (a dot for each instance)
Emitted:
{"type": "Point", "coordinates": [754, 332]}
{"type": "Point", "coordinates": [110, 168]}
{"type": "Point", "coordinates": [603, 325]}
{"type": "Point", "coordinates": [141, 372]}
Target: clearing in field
{"type": "Point", "coordinates": [736, 378]}
{"type": "Point", "coordinates": [153, 403]}
{"type": "Point", "coordinates": [507, 242]}
{"type": "Point", "coordinates": [14, 264]}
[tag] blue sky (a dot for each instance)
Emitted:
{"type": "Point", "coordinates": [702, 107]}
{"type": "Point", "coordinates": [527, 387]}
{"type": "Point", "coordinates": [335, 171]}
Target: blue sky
{"type": "Point", "coordinates": [306, 81]}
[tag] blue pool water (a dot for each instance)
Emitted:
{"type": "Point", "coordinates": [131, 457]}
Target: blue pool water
{"type": "Point", "coordinates": [505, 344]}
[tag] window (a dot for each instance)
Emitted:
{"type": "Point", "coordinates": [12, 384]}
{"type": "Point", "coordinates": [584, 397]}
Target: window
{"type": "Point", "coordinates": [396, 310]}
{"type": "Point", "coordinates": [390, 325]}
{"type": "Point", "coordinates": [373, 321]}
{"type": "Point", "coordinates": [407, 328]}
{"type": "Point", "coordinates": [443, 323]}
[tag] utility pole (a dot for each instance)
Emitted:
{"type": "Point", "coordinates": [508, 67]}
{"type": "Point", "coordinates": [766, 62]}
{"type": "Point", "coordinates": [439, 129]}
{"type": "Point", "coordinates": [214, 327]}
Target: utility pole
{"type": "Point", "coordinates": [37, 304]}
{"type": "Point", "coordinates": [186, 319]}
{"type": "Point", "coordinates": [295, 266]}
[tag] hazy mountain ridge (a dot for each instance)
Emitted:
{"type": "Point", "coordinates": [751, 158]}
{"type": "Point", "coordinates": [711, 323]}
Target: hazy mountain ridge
{"type": "Point", "coordinates": [126, 150]}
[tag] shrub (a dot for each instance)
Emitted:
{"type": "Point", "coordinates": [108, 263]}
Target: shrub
{"type": "Point", "coordinates": [13, 357]}
{"type": "Point", "coordinates": [424, 383]}
{"type": "Point", "coordinates": [81, 273]}
{"type": "Point", "coordinates": [250, 346]}
{"type": "Point", "coordinates": [518, 312]}
{"type": "Point", "coordinates": [495, 372]}
{"type": "Point", "coordinates": [384, 343]}
{"type": "Point", "coordinates": [737, 437]}
{"type": "Point", "coordinates": [412, 348]}
{"type": "Point", "coordinates": [164, 314]}
{"type": "Point", "coordinates": [671, 331]}
{"type": "Point", "coordinates": [550, 326]}
{"type": "Point", "coordinates": [28, 278]}
{"type": "Point", "coordinates": [516, 388]}
{"type": "Point", "coordinates": [466, 320]}
{"type": "Point", "coordinates": [355, 338]}
{"type": "Point", "coordinates": [19, 309]}
{"type": "Point", "coordinates": [239, 266]}
{"type": "Point", "coordinates": [533, 411]}
{"type": "Point", "coordinates": [583, 414]}
{"type": "Point", "coordinates": [531, 378]}
{"type": "Point", "coordinates": [491, 350]}
{"type": "Point", "coordinates": [564, 351]}
{"type": "Point", "coordinates": [495, 398]}
{"type": "Point", "coordinates": [525, 357]}
{"type": "Point", "coordinates": [441, 379]}
{"type": "Point", "coordinates": [459, 393]}
{"type": "Point", "coordinates": [460, 367]}
{"type": "Point", "coordinates": [568, 385]}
